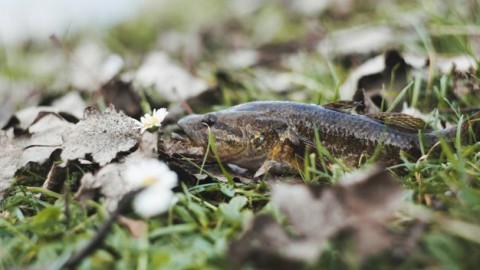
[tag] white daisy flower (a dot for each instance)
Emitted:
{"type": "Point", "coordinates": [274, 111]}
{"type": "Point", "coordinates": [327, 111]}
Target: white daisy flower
{"type": "Point", "coordinates": [153, 121]}
{"type": "Point", "coordinates": [158, 181]}
{"type": "Point", "coordinates": [153, 201]}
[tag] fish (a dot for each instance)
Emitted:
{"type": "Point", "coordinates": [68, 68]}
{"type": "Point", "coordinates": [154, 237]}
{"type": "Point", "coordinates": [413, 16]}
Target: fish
{"type": "Point", "coordinates": [274, 136]}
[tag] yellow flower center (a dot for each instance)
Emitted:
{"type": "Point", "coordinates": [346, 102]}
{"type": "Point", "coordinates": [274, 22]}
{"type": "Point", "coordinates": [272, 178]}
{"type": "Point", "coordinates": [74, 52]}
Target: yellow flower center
{"type": "Point", "coordinates": [150, 122]}
{"type": "Point", "coordinates": [149, 180]}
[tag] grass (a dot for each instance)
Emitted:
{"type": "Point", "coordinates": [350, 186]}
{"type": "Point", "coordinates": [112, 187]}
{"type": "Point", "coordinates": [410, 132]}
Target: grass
{"type": "Point", "coordinates": [41, 228]}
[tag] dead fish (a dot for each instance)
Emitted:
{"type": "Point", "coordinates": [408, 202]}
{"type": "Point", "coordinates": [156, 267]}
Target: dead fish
{"type": "Point", "coordinates": [273, 136]}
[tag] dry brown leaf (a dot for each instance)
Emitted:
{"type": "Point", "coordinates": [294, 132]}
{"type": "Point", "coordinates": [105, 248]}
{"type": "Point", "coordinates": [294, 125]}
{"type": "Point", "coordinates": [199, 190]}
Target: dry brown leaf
{"type": "Point", "coordinates": [136, 228]}
{"type": "Point", "coordinates": [317, 214]}
{"type": "Point", "coordinates": [56, 177]}
{"type": "Point", "coordinates": [102, 135]}
{"type": "Point", "coordinates": [465, 83]}
{"type": "Point", "coordinates": [23, 119]}
{"type": "Point", "coordinates": [6, 110]}
{"type": "Point", "coordinates": [41, 143]}
{"type": "Point", "coordinates": [122, 95]}
{"type": "Point", "coordinates": [45, 138]}
{"type": "Point", "coordinates": [378, 81]}
{"type": "Point", "coordinates": [10, 155]}
{"type": "Point", "coordinates": [149, 144]}
{"type": "Point", "coordinates": [262, 244]}
{"type": "Point", "coordinates": [363, 205]}
{"type": "Point", "coordinates": [384, 87]}
{"type": "Point", "coordinates": [72, 103]}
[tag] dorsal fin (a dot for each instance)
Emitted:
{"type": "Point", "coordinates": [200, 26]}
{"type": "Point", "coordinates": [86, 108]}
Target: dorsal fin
{"type": "Point", "coordinates": [343, 105]}
{"type": "Point", "coordinates": [400, 121]}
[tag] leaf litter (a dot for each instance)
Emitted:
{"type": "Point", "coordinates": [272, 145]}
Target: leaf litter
{"type": "Point", "coordinates": [110, 180]}
{"type": "Point", "coordinates": [362, 202]}
{"type": "Point", "coordinates": [43, 131]}
{"type": "Point", "coordinates": [23, 119]}
{"type": "Point", "coordinates": [102, 135]}
{"type": "Point", "coordinates": [9, 158]}
{"type": "Point", "coordinates": [123, 96]}
{"type": "Point", "coordinates": [46, 137]}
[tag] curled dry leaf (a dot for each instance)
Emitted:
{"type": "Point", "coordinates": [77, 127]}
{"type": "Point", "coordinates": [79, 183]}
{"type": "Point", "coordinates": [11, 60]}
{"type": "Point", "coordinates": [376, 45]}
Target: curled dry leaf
{"type": "Point", "coordinates": [41, 143]}
{"type": "Point", "coordinates": [45, 138]}
{"type": "Point", "coordinates": [317, 214]}
{"type": "Point", "coordinates": [56, 176]}
{"type": "Point", "coordinates": [6, 109]}
{"type": "Point", "coordinates": [23, 119]}
{"type": "Point", "coordinates": [102, 135]}
{"type": "Point", "coordinates": [14, 92]}
{"type": "Point", "coordinates": [377, 82]}
{"type": "Point", "coordinates": [71, 102]}
{"type": "Point", "coordinates": [10, 155]}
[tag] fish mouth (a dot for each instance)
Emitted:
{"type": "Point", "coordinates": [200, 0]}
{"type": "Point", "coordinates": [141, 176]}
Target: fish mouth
{"type": "Point", "coordinates": [179, 142]}
{"type": "Point", "coordinates": [192, 133]}
{"type": "Point", "coordinates": [179, 135]}
{"type": "Point", "coordinates": [181, 145]}
{"type": "Point", "coordinates": [189, 142]}
{"type": "Point", "coordinates": [190, 129]}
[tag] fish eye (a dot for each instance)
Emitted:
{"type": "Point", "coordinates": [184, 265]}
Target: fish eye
{"type": "Point", "coordinates": [209, 119]}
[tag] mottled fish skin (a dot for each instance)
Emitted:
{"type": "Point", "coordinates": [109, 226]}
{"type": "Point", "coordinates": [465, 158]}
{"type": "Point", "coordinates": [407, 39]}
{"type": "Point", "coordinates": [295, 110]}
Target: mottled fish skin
{"type": "Point", "coordinates": [251, 134]}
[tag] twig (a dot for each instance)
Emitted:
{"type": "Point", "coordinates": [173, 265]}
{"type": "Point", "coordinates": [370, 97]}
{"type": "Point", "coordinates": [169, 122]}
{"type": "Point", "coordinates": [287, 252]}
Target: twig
{"type": "Point", "coordinates": [186, 107]}
{"type": "Point", "coordinates": [102, 233]}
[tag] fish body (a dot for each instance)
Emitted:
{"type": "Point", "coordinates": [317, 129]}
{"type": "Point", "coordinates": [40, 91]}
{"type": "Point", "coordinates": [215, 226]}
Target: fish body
{"type": "Point", "coordinates": [273, 136]}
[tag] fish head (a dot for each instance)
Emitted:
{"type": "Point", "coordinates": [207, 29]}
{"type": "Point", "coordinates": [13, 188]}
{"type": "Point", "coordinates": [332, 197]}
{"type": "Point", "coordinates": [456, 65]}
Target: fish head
{"type": "Point", "coordinates": [226, 130]}
{"type": "Point", "coordinates": [241, 138]}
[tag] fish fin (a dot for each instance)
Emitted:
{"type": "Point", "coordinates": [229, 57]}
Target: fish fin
{"type": "Point", "coordinates": [281, 159]}
{"type": "Point", "coordinates": [308, 142]}
{"type": "Point", "coordinates": [276, 167]}
{"type": "Point", "coordinates": [292, 137]}
{"type": "Point", "coordinates": [263, 169]}
{"type": "Point", "coordinates": [400, 121]}
{"type": "Point", "coordinates": [343, 105]}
